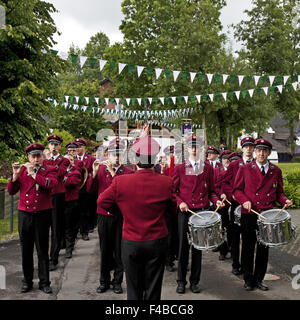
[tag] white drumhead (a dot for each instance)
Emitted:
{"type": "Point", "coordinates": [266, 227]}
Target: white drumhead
{"type": "Point", "coordinates": [270, 215]}
{"type": "Point", "coordinates": [207, 220]}
{"type": "Point", "coordinates": [238, 210]}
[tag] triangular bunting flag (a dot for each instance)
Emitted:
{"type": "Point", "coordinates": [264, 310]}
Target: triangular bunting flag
{"type": "Point", "coordinates": [193, 75]}
{"type": "Point", "coordinates": [186, 99]}
{"type": "Point", "coordinates": [106, 101]}
{"type": "Point", "coordinates": [211, 96]}
{"type": "Point", "coordinates": [82, 61]}
{"type": "Point", "coordinates": [121, 67]}
{"type": "Point", "coordinates": [128, 101]}
{"type": "Point", "coordinates": [158, 72]}
{"type": "Point", "coordinates": [150, 100]}
{"type": "Point", "coordinates": [102, 64]}
{"type": "Point", "coordinates": [285, 79]}
{"type": "Point", "coordinates": [209, 77]}
{"type": "Point", "coordinates": [225, 76]}
{"type": "Point", "coordinates": [97, 100]}
{"type": "Point", "coordinates": [140, 70]}
{"type": "Point", "coordinates": [256, 79]}
{"type": "Point", "coordinates": [173, 99]}
{"type": "Point", "coordinates": [224, 94]}
{"type": "Point", "coordinates": [251, 92]}
{"type": "Point", "coordinates": [265, 90]}
{"type": "Point", "coordinates": [139, 100]}
{"type": "Point", "coordinates": [279, 88]}
{"type": "Point", "coordinates": [271, 79]}
{"type": "Point", "coordinates": [162, 100]}
{"type": "Point", "coordinates": [237, 93]}
{"type": "Point", "coordinates": [63, 55]}
{"type": "Point", "coordinates": [241, 78]}
{"type": "Point", "coordinates": [76, 98]}
{"type": "Point", "coordinates": [294, 84]}
{"type": "Point", "coordinates": [198, 97]}
{"type": "Point", "coordinates": [175, 75]}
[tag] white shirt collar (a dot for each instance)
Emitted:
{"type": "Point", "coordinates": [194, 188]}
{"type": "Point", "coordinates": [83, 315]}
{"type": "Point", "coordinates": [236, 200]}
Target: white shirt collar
{"type": "Point", "coordinates": [266, 166]}
{"type": "Point", "coordinates": [55, 157]}
{"type": "Point", "coordinates": [245, 159]}
{"type": "Point", "coordinates": [193, 162]}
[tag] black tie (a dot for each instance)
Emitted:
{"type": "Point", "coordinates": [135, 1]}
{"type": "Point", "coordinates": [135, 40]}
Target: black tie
{"type": "Point", "coordinates": [248, 161]}
{"type": "Point", "coordinates": [263, 170]}
{"type": "Point", "coordinates": [196, 169]}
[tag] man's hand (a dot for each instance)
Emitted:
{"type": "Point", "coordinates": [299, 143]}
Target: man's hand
{"type": "Point", "coordinates": [288, 203]}
{"type": "Point", "coordinates": [247, 205]}
{"type": "Point", "coordinates": [183, 207]}
{"type": "Point", "coordinates": [96, 165]}
{"type": "Point", "coordinates": [223, 196]}
{"type": "Point", "coordinates": [110, 167]}
{"type": "Point", "coordinates": [220, 204]}
{"type": "Point", "coordinates": [16, 170]}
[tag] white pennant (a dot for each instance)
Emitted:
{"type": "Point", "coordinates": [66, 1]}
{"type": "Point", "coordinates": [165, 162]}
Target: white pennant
{"type": "Point", "coordinates": [251, 92]}
{"type": "Point", "coordinates": [76, 98]}
{"type": "Point", "coordinates": [211, 96]}
{"type": "Point", "coordinates": [87, 99]}
{"type": "Point", "coordinates": [225, 76]}
{"type": "Point", "coordinates": [285, 79]}
{"type": "Point", "coordinates": [271, 79]}
{"type": "Point", "coordinates": [117, 100]}
{"type": "Point", "coordinates": [102, 64]}
{"type": "Point", "coordinates": [237, 93]}
{"type": "Point", "coordinates": [280, 88]}
{"type": "Point", "coordinates": [140, 70]}
{"type": "Point", "coordinates": [209, 77]}
{"type": "Point", "coordinates": [193, 75]}
{"type": "Point", "coordinates": [82, 61]}
{"type": "Point", "coordinates": [224, 94]}
{"type": "Point", "coordinates": [128, 101]}
{"type": "Point", "coordinates": [173, 99]}
{"type": "Point", "coordinates": [121, 66]}
{"type": "Point", "coordinates": [139, 100]}
{"type": "Point", "coordinates": [298, 79]}
{"type": "Point", "coordinates": [162, 100]}
{"type": "Point", "coordinates": [198, 97]}
{"type": "Point", "coordinates": [106, 101]}
{"type": "Point", "coordinates": [256, 79]}
{"type": "Point", "coordinates": [241, 78]}
{"type": "Point", "coordinates": [186, 99]}
{"type": "Point", "coordinates": [67, 98]}
{"type": "Point", "coordinates": [158, 72]}
{"type": "Point", "coordinates": [97, 100]}
{"type": "Point", "coordinates": [150, 100]}
{"type": "Point", "coordinates": [63, 55]}
{"type": "Point", "coordinates": [175, 75]}
{"type": "Point", "coordinates": [98, 110]}
{"type": "Point", "coordinates": [265, 90]}
{"type": "Point", "coordinates": [294, 84]}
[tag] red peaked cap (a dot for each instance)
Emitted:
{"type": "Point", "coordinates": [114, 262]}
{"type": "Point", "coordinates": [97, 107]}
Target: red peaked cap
{"type": "Point", "coordinates": [35, 148]}
{"type": "Point", "coordinates": [247, 141]}
{"type": "Point", "coordinates": [80, 141]}
{"type": "Point", "coordinates": [71, 144]}
{"type": "Point", "coordinates": [234, 156]}
{"type": "Point", "coordinates": [212, 149]}
{"type": "Point", "coordinates": [263, 144]}
{"type": "Point", "coordinates": [54, 138]}
{"type": "Point", "coordinates": [145, 146]}
{"type": "Point", "coordinates": [225, 154]}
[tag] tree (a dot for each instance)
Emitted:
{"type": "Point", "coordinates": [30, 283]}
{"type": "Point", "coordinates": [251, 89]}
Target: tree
{"type": "Point", "coordinates": [271, 36]}
{"type": "Point", "coordinates": [28, 72]}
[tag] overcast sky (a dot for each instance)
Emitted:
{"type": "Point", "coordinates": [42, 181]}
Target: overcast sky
{"type": "Point", "coordinates": [78, 20]}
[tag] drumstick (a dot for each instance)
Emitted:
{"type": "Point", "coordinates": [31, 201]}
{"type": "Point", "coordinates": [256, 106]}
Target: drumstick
{"type": "Point", "coordinates": [218, 206]}
{"type": "Point", "coordinates": [258, 214]}
{"type": "Point", "coordinates": [228, 201]}
{"type": "Point", "coordinates": [278, 213]}
{"type": "Point", "coordinates": [196, 214]}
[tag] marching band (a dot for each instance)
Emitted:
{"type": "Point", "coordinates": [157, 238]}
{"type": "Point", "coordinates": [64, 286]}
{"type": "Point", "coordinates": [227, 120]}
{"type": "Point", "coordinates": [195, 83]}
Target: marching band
{"type": "Point", "coordinates": [143, 211]}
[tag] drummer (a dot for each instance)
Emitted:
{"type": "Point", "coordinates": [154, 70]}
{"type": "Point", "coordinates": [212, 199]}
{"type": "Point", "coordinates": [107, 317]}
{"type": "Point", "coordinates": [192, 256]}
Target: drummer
{"type": "Point", "coordinates": [194, 186]}
{"type": "Point", "coordinates": [258, 185]}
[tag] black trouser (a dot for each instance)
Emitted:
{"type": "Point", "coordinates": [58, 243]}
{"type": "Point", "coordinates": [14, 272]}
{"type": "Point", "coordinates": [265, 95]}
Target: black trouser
{"type": "Point", "coordinates": [71, 212]}
{"type": "Point", "coordinates": [183, 252]}
{"type": "Point", "coordinates": [110, 236]}
{"type": "Point", "coordinates": [57, 226]}
{"type": "Point", "coordinates": [249, 227]}
{"type": "Point", "coordinates": [144, 263]}
{"type": "Point", "coordinates": [235, 238]}
{"type": "Point", "coordinates": [84, 212]}
{"type": "Point", "coordinates": [172, 225]}
{"type": "Point", "coordinates": [93, 216]}
{"type": "Point", "coordinates": [34, 230]}
{"type": "Point", "coordinates": [224, 247]}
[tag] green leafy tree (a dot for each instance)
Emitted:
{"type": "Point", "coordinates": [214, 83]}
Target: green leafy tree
{"type": "Point", "coordinates": [28, 72]}
{"type": "Point", "coordinates": [271, 35]}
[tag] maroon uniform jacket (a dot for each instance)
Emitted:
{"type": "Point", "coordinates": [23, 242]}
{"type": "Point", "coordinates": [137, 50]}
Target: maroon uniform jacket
{"type": "Point", "coordinates": [61, 164]}
{"type": "Point", "coordinates": [195, 191]}
{"type": "Point", "coordinates": [72, 181]}
{"type": "Point", "coordinates": [219, 173]}
{"type": "Point", "coordinates": [262, 191]}
{"type": "Point", "coordinates": [144, 198]}
{"type": "Point", "coordinates": [87, 163]}
{"type": "Point", "coordinates": [35, 194]}
{"type": "Point", "coordinates": [102, 181]}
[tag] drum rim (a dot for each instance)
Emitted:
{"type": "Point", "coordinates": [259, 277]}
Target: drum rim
{"type": "Point", "coordinates": [206, 225]}
{"type": "Point", "coordinates": [288, 218]}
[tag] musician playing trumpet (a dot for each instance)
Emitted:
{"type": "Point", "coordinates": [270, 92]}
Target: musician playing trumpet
{"type": "Point", "coordinates": [109, 223]}
{"type": "Point", "coordinates": [34, 180]}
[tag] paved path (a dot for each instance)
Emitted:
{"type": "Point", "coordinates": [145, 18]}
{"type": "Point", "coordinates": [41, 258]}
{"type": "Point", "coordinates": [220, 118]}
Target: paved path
{"type": "Point", "coordinates": [78, 278]}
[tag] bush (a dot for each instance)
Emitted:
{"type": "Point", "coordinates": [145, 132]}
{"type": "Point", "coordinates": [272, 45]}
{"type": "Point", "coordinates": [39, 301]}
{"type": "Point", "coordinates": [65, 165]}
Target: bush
{"type": "Point", "coordinates": [291, 185]}
{"type": "Point", "coordinates": [296, 160]}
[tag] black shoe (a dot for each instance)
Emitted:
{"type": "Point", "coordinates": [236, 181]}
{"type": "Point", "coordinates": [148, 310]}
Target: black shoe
{"type": "Point", "coordinates": [102, 288]}
{"type": "Point", "coordinates": [215, 249]}
{"type": "Point", "coordinates": [52, 266]}
{"type": "Point", "coordinates": [26, 287]}
{"type": "Point", "coordinates": [195, 288]}
{"type": "Point", "coordinates": [180, 288]}
{"type": "Point", "coordinates": [68, 254]}
{"type": "Point", "coordinates": [170, 268]}
{"type": "Point", "coordinates": [46, 289]}
{"type": "Point", "coordinates": [262, 286]}
{"type": "Point", "coordinates": [85, 237]}
{"type": "Point", "coordinates": [248, 286]}
{"type": "Point", "coordinates": [117, 288]}
{"type": "Point", "coordinates": [221, 257]}
{"type": "Point", "coordinates": [236, 271]}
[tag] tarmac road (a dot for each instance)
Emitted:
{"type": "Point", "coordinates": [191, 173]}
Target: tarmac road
{"type": "Point", "coordinates": [78, 278]}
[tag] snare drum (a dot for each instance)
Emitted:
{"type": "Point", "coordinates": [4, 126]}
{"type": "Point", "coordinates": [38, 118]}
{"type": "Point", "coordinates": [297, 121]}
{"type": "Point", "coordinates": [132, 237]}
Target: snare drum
{"type": "Point", "coordinates": [205, 233]}
{"type": "Point", "coordinates": [237, 215]}
{"type": "Point", "coordinates": [275, 231]}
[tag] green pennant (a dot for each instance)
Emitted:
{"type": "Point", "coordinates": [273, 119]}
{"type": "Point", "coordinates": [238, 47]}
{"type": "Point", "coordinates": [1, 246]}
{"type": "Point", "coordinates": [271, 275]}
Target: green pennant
{"type": "Point", "coordinates": [232, 78]}
{"type": "Point", "coordinates": [294, 78]}
{"type": "Point", "coordinates": [123, 101]}
{"type": "Point", "coordinates": [54, 52]}
{"type": "Point", "coordinates": [244, 93]}
{"type": "Point", "coordinates": [184, 75]}
{"type": "Point", "coordinates": [288, 87]}
{"type": "Point", "coordinates": [92, 62]}
{"type": "Point", "coordinates": [200, 77]}
{"type": "Point", "coordinates": [218, 96]}
{"type": "Point", "coordinates": [249, 78]}
{"type": "Point", "coordinates": [230, 95]}
{"type": "Point", "coordinates": [71, 98]}
{"type": "Point", "coordinates": [131, 68]}
{"type": "Point", "coordinates": [278, 79]}
{"type": "Point", "coordinates": [217, 77]}
{"type": "Point", "coordinates": [112, 65]}
{"type": "Point", "coordinates": [74, 58]}
{"type": "Point", "coordinates": [264, 79]}
{"type": "Point", "coordinates": [149, 71]}
{"type": "Point", "coordinates": [204, 97]}
{"type": "Point", "coordinates": [272, 89]}
{"type": "Point", "coordinates": [192, 99]}
{"type": "Point", "coordinates": [102, 101]}
{"type": "Point", "coordinates": [258, 91]}
{"type": "Point", "coordinates": [167, 73]}
{"type": "Point", "coordinates": [168, 100]}
{"type": "Point", "coordinates": [112, 100]}
{"type": "Point", "coordinates": [133, 100]}
{"type": "Point", "coordinates": [179, 99]}
{"type": "Point", "coordinates": [144, 100]}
